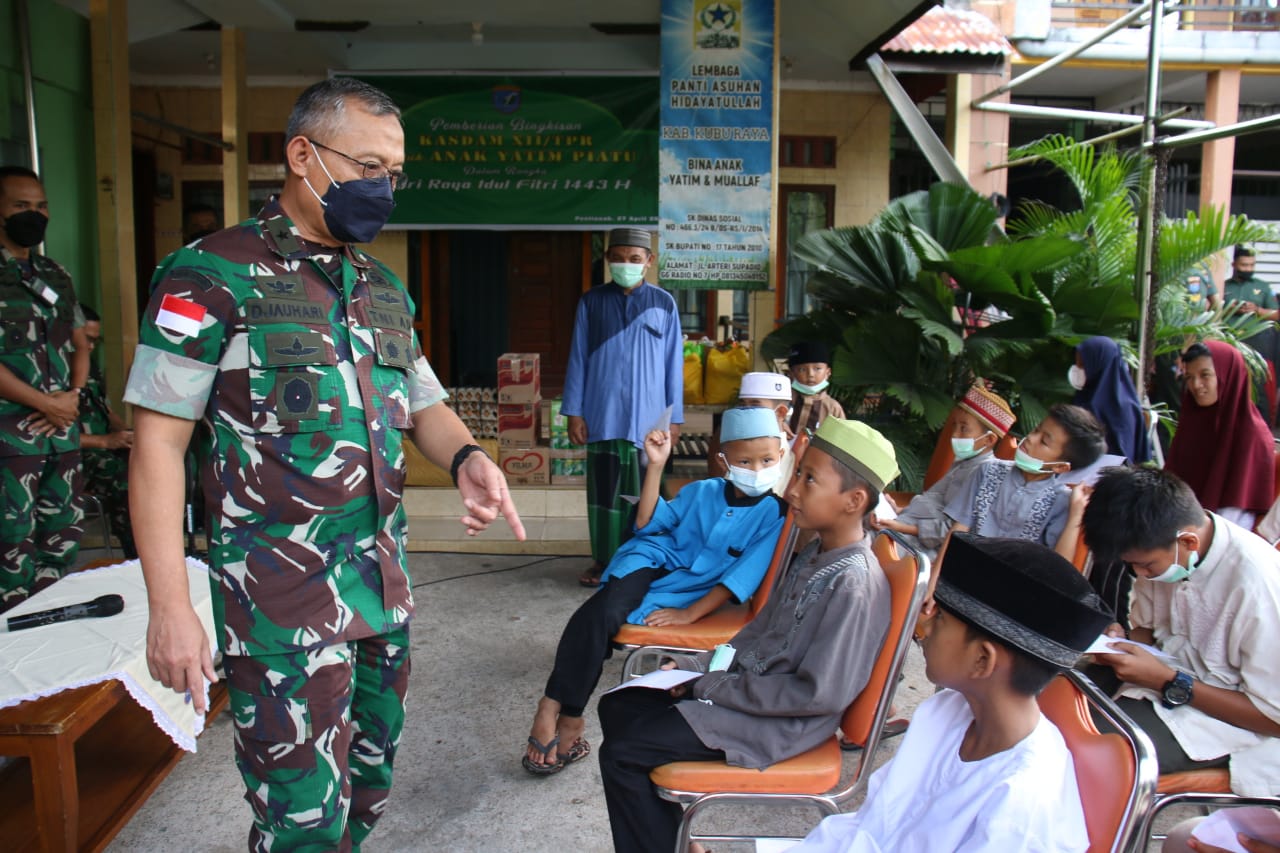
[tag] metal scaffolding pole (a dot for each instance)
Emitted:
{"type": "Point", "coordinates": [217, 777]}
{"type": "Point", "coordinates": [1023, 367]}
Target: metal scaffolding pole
{"type": "Point", "coordinates": [1198, 137]}
{"type": "Point", "coordinates": [1115, 26]}
{"type": "Point", "coordinates": [1033, 111]}
{"type": "Point", "coordinates": [1143, 278]}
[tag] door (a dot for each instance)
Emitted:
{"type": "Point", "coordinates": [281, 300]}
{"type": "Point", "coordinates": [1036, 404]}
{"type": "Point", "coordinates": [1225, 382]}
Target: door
{"type": "Point", "coordinates": [544, 282]}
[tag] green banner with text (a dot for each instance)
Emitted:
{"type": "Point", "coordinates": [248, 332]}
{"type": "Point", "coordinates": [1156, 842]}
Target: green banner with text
{"type": "Point", "coordinates": [540, 151]}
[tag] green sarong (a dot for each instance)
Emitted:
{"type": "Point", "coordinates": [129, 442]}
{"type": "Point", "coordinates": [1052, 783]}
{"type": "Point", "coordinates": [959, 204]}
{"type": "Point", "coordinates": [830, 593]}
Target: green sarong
{"type": "Point", "coordinates": [613, 470]}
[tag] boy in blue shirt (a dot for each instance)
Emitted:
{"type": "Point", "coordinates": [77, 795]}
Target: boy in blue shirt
{"type": "Point", "coordinates": [711, 543]}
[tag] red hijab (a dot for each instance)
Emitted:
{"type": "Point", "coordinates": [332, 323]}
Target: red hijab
{"type": "Point", "coordinates": [1225, 452]}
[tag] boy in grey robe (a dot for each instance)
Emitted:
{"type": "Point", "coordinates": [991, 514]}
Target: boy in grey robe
{"type": "Point", "coordinates": [798, 664]}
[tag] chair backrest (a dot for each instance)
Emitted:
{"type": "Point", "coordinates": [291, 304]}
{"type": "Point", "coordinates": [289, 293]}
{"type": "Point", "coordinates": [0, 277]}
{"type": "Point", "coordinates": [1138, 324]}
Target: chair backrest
{"type": "Point", "coordinates": [1116, 773]}
{"type": "Point", "coordinates": [908, 576]}
{"type": "Point", "coordinates": [943, 456]}
{"type": "Point", "coordinates": [782, 551]}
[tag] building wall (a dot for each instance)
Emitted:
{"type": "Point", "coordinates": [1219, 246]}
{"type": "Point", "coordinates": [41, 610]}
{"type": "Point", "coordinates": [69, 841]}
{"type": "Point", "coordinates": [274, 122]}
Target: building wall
{"type": "Point", "coordinates": [860, 122]}
{"type": "Point", "coordinates": [64, 126]}
{"type": "Point", "coordinates": [199, 109]}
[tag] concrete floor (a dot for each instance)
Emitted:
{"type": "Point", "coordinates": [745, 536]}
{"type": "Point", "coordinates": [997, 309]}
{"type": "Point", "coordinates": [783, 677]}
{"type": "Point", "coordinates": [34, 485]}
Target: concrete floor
{"type": "Point", "coordinates": [484, 636]}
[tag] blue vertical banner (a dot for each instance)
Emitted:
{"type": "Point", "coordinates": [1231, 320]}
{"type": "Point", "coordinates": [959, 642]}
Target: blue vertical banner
{"type": "Point", "coordinates": [715, 155]}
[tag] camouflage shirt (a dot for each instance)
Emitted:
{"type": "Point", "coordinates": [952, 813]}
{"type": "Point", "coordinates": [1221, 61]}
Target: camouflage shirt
{"type": "Point", "coordinates": [302, 364]}
{"type": "Point", "coordinates": [38, 313]}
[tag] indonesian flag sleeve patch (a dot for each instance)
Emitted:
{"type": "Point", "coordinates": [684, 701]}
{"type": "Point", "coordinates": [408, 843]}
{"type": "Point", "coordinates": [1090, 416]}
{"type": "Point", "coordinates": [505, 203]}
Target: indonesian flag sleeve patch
{"type": "Point", "coordinates": [179, 315]}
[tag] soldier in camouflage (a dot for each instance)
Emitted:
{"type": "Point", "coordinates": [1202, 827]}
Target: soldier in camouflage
{"type": "Point", "coordinates": [105, 440]}
{"type": "Point", "coordinates": [44, 362]}
{"type": "Point", "coordinates": [296, 354]}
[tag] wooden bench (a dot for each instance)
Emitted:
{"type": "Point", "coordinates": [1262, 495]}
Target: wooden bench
{"type": "Point", "coordinates": [86, 760]}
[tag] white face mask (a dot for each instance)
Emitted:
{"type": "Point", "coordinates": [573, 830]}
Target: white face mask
{"type": "Point", "coordinates": [1075, 375]}
{"type": "Point", "coordinates": [1176, 571]}
{"type": "Point", "coordinates": [810, 390]}
{"type": "Point", "coordinates": [753, 483]}
{"type": "Point", "coordinates": [1031, 465]}
{"type": "Point", "coordinates": [963, 447]}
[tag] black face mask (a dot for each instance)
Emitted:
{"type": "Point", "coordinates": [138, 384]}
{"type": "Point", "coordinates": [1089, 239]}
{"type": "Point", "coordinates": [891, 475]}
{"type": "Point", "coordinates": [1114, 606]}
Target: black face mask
{"type": "Point", "coordinates": [26, 228]}
{"type": "Point", "coordinates": [1244, 276]}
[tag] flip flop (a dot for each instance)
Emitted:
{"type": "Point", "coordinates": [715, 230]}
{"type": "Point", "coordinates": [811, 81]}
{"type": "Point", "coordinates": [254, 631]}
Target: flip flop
{"type": "Point", "coordinates": [578, 751]}
{"type": "Point", "coordinates": [591, 577]}
{"type": "Point", "coordinates": [892, 729]}
{"type": "Point", "coordinates": [545, 749]}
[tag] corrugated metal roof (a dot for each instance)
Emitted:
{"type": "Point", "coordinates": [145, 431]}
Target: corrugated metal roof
{"type": "Point", "coordinates": [942, 30]}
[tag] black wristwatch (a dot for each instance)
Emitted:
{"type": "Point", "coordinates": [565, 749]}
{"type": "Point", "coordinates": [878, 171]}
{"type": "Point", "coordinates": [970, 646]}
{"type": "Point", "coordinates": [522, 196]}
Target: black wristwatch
{"type": "Point", "coordinates": [1177, 691]}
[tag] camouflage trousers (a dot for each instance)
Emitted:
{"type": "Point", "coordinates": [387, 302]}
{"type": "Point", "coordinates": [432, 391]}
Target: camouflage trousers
{"type": "Point", "coordinates": [316, 735]}
{"type": "Point", "coordinates": [106, 477]}
{"type": "Point", "coordinates": [41, 515]}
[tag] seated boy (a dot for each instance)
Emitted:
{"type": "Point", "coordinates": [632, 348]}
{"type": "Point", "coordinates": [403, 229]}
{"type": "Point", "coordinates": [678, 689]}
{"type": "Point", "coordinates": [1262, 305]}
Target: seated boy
{"type": "Point", "coordinates": [1024, 499]}
{"type": "Point", "coordinates": [809, 364]}
{"type": "Point", "coordinates": [981, 419]}
{"type": "Point", "coordinates": [711, 544]}
{"type": "Point", "coordinates": [757, 391]}
{"type": "Point", "coordinates": [1207, 594]}
{"type": "Point", "coordinates": [797, 665]}
{"type": "Point", "coordinates": [981, 768]}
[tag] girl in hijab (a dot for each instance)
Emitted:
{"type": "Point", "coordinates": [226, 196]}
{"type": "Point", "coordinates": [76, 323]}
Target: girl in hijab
{"type": "Point", "coordinates": [1103, 386]}
{"type": "Point", "coordinates": [1223, 448]}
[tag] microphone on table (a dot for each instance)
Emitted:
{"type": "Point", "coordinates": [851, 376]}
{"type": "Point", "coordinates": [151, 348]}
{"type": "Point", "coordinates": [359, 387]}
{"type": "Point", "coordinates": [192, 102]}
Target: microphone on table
{"type": "Point", "coordinates": [103, 605]}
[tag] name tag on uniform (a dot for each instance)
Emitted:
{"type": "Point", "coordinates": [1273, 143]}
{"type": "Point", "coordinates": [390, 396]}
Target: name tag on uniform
{"type": "Point", "coordinates": [47, 293]}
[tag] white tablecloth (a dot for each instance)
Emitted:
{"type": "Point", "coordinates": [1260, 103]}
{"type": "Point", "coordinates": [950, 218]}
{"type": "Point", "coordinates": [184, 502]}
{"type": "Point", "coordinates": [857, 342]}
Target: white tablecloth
{"type": "Point", "coordinates": [51, 658]}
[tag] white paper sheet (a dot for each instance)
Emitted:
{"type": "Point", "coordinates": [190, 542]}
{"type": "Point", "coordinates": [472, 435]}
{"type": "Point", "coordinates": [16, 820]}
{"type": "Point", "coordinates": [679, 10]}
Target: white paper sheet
{"type": "Point", "coordinates": [659, 679]}
{"type": "Point", "coordinates": [1102, 646]}
{"type": "Point", "coordinates": [1256, 822]}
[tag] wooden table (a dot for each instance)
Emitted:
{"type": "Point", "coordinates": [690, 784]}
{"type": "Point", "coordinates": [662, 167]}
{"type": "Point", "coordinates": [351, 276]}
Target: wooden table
{"type": "Point", "coordinates": [87, 759]}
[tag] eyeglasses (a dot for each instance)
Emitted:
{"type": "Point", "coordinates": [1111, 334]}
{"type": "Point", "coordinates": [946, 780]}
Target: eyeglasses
{"type": "Point", "coordinates": [370, 171]}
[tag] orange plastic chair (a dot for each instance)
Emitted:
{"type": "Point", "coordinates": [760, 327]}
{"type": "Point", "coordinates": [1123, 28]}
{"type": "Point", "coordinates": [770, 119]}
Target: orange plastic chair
{"type": "Point", "coordinates": [810, 778]}
{"type": "Point", "coordinates": [1116, 773]}
{"type": "Point", "coordinates": [648, 645]}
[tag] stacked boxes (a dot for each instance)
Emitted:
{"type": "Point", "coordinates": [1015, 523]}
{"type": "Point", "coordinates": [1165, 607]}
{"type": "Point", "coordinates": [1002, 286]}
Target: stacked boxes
{"type": "Point", "coordinates": [568, 460]}
{"type": "Point", "coordinates": [478, 409]}
{"type": "Point", "coordinates": [519, 401]}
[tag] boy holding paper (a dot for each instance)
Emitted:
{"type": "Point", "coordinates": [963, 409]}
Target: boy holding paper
{"type": "Point", "coordinates": [797, 665]}
{"type": "Point", "coordinates": [1207, 594]}
{"type": "Point", "coordinates": [713, 542]}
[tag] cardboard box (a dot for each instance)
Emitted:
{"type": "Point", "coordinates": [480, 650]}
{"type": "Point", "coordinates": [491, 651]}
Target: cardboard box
{"type": "Point", "coordinates": [524, 466]}
{"type": "Point", "coordinates": [573, 451]}
{"type": "Point", "coordinates": [553, 423]}
{"type": "Point", "coordinates": [568, 467]}
{"type": "Point", "coordinates": [569, 481]}
{"type": "Point", "coordinates": [519, 378]}
{"type": "Point", "coordinates": [518, 425]}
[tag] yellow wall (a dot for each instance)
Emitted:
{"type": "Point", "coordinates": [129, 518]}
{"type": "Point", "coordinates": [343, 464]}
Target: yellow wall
{"type": "Point", "coordinates": [860, 122]}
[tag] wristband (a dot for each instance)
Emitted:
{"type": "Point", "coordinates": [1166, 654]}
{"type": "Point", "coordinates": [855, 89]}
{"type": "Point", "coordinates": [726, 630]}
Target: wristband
{"type": "Point", "coordinates": [460, 457]}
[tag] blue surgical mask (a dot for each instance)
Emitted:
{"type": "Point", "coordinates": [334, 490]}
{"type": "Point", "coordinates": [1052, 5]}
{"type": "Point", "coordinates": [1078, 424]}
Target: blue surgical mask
{"type": "Point", "coordinates": [627, 275]}
{"type": "Point", "coordinates": [810, 390]}
{"type": "Point", "coordinates": [963, 447]}
{"type": "Point", "coordinates": [753, 483]}
{"type": "Point", "coordinates": [355, 210]}
{"type": "Point", "coordinates": [1194, 287]}
{"type": "Point", "coordinates": [1176, 571]}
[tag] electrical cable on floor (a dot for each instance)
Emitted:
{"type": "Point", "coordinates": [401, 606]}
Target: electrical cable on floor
{"type": "Point", "coordinates": [490, 571]}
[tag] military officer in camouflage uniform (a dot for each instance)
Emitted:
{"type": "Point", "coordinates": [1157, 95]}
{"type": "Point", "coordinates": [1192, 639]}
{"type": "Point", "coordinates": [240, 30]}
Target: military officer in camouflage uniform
{"type": "Point", "coordinates": [44, 362]}
{"type": "Point", "coordinates": [1255, 296]}
{"type": "Point", "coordinates": [104, 444]}
{"type": "Point", "coordinates": [296, 354]}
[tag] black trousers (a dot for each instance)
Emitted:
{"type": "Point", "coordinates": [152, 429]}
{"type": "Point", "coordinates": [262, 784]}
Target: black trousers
{"type": "Point", "coordinates": [586, 642]}
{"type": "Point", "coordinates": [1169, 753]}
{"type": "Point", "coordinates": [643, 730]}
